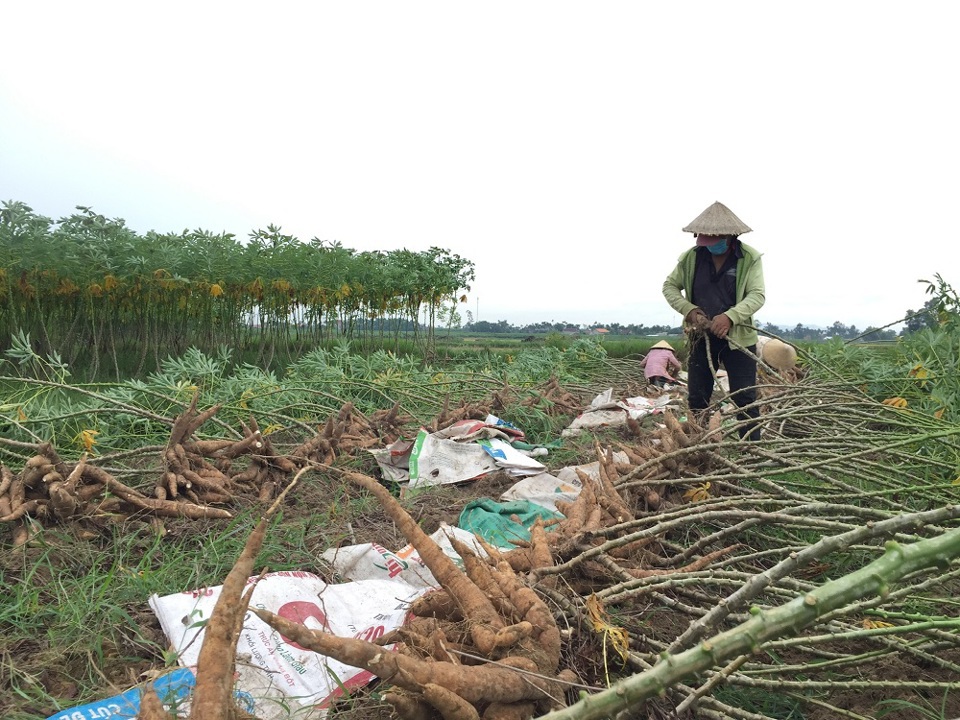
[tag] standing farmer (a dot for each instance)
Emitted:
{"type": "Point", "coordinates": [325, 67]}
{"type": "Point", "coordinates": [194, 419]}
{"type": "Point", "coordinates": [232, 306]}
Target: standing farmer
{"type": "Point", "coordinates": [717, 286]}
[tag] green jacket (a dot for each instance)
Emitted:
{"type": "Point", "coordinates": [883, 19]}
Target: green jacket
{"type": "Point", "coordinates": [678, 287]}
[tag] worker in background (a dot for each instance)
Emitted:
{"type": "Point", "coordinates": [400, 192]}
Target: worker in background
{"type": "Point", "coordinates": [658, 363]}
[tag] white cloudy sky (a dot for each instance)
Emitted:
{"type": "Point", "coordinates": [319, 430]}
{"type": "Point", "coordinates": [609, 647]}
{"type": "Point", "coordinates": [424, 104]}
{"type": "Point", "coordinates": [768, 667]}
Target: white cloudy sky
{"type": "Point", "coordinates": [561, 146]}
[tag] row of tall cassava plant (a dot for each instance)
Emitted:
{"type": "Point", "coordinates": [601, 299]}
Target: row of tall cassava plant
{"type": "Point", "coordinates": [93, 290]}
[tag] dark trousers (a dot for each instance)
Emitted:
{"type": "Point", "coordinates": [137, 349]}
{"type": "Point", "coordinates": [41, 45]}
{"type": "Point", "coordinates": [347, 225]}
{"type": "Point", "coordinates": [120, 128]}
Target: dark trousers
{"type": "Point", "coordinates": [741, 373]}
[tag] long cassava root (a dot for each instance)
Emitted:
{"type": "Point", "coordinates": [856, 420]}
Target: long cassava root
{"type": "Point", "coordinates": [498, 617]}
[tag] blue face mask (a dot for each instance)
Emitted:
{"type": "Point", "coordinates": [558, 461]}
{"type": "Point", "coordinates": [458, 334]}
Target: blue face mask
{"type": "Point", "coordinates": [718, 248]}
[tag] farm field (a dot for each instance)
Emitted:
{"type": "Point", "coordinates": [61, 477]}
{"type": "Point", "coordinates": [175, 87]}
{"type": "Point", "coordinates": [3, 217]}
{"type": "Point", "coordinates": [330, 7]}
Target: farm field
{"type": "Point", "coordinates": [183, 413]}
{"type": "Point", "coordinates": [114, 492]}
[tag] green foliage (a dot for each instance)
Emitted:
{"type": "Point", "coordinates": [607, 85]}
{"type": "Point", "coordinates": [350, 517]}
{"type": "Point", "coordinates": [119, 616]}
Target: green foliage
{"type": "Point", "coordinates": [903, 708]}
{"type": "Point", "coordinates": [90, 288]}
{"type": "Point", "coordinates": [767, 704]}
{"type": "Point", "coordinates": [21, 352]}
{"type": "Point", "coordinates": [923, 367]}
{"type": "Point", "coordinates": [557, 340]}
{"type": "Point", "coordinates": [41, 404]}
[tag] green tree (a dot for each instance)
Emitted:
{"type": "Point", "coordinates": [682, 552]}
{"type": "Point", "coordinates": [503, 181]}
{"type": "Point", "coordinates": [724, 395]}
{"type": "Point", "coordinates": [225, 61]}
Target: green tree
{"type": "Point", "coordinates": [926, 317]}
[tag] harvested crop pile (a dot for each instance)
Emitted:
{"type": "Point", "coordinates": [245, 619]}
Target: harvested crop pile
{"type": "Point", "coordinates": [555, 399]}
{"type": "Point", "coordinates": [51, 490]}
{"type": "Point", "coordinates": [197, 477]}
{"type": "Point", "coordinates": [484, 645]}
{"type": "Point", "coordinates": [680, 532]}
{"type": "Point", "coordinates": [663, 547]}
{"type": "Point", "coordinates": [594, 542]}
{"type": "Point", "coordinates": [485, 612]}
{"type": "Point", "coordinates": [187, 467]}
{"type": "Point", "coordinates": [213, 694]}
{"type": "Point", "coordinates": [202, 476]}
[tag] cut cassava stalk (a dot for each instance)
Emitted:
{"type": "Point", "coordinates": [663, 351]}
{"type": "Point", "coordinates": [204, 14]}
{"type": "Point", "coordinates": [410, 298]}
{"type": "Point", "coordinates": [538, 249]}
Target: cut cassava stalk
{"type": "Point", "coordinates": [874, 579]}
{"type": "Point", "coordinates": [190, 421]}
{"type": "Point", "coordinates": [745, 594]}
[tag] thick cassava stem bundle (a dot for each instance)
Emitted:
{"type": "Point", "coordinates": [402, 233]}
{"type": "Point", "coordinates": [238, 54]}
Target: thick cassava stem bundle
{"type": "Point", "coordinates": [50, 489]}
{"type": "Point", "coordinates": [267, 471]}
{"type": "Point", "coordinates": [346, 433]}
{"type": "Point", "coordinates": [389, 424]}
{"type": "Point", "coordinates": [874, 579]}
{"type": "Point", "coordinates": [186, 472]}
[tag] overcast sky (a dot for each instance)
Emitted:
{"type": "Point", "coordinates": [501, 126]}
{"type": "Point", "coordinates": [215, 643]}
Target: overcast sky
{"type": "Point", "coordinates": [560, 146]}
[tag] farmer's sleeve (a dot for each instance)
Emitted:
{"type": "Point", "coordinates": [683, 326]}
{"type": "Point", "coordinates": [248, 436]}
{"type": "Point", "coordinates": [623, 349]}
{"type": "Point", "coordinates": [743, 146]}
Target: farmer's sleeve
{"type": "Point", "coordinates": [674, 287]}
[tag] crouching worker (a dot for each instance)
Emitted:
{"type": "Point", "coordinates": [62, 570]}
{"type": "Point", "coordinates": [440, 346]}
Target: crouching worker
{"type": "Point", "coordinates": [658, 363]}
{"type": "Point", "coordinates": [717, 286]}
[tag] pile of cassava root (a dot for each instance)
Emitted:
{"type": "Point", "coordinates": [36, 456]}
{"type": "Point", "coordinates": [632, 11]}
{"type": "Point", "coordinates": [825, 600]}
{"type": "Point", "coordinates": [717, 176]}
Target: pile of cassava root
{"type": "Point", "coordinates": [486, 643]}
{"type": "Point", "coordinates": [197, 478]}
{"type": "Point", "coordinates": [200, 478]}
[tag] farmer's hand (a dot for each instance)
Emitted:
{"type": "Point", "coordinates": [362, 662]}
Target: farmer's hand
{"type": "Point", "coordinates": [721, 325]}
{"type": "Point", "coordinates": [697, 318]}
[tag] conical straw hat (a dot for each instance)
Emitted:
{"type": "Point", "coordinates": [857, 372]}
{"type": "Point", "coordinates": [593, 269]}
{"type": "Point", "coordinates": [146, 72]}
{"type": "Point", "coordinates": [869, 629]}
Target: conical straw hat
{"type": "Point", "coordinates": [662, 344]}
{"type": "Point", "coordinates": [717, 219]}
{"type": "Point", "coordinates": [777, 354]}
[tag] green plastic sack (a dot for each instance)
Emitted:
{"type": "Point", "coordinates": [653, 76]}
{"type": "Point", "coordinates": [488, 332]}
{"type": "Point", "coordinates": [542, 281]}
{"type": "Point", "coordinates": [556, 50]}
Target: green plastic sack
{"type": "Point", "coordinates": [500, 522]}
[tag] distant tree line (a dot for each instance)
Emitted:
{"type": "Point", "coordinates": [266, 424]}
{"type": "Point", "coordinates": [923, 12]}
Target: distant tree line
{"type": "Point", "coordinates": [502, 326]}
{"type": "Point", "coordinates": [914, 321]}
{"type": "Point", "coordinates": [836, 331]}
